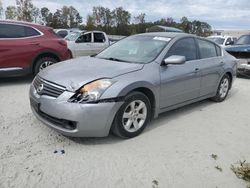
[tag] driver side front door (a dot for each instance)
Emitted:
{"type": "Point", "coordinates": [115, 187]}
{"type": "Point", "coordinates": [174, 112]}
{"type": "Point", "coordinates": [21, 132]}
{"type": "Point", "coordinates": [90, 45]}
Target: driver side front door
{"type": "Point", "coordinates": [180, 83]}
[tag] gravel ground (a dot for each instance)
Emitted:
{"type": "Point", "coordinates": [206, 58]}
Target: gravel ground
{"type": "Point", "coordinates": [173, 152]}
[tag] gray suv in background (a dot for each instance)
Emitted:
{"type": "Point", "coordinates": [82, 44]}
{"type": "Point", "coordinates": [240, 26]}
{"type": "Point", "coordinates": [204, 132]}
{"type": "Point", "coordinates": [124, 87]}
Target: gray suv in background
{"type": "Point", "coordinates": [130, 82]}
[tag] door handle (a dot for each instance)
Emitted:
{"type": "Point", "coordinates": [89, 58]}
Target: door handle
{"type": "Point", "coordinates": [196, 70]}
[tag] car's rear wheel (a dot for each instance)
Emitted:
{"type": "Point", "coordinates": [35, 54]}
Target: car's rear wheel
{"type": "Point", "coordinates": [133, 116]}
{"type": "Point", "coordinates": [223, 89]}
{"type": "Point", "coordinates": [44, 62]}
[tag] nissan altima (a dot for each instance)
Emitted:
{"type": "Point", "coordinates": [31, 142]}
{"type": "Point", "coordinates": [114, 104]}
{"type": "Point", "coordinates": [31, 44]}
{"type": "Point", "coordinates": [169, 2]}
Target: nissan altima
{"type": "Point", "coordinates": [126, 85]}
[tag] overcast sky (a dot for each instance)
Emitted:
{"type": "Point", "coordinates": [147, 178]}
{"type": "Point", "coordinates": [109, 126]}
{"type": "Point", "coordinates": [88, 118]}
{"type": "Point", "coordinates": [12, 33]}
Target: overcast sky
{"type": "Point", "coordinates": [220, 14]}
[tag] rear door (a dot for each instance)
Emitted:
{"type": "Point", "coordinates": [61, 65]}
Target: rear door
{"type": "Point", "coordinates": [17, 45]}
{"type": "Point", "coordinates": [100, 42]}
{"type": "Point", "coordinates": [211, 66]}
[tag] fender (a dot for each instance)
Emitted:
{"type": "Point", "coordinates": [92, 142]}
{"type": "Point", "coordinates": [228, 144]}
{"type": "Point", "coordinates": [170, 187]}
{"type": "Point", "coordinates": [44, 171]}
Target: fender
{"type": "Point", "coordinates": [142, 85]}
{"type": "Point", "coordinates": [41, 53]}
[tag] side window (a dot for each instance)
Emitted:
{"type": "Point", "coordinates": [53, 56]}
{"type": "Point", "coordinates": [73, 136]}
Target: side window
{"type": "Point", "coordinates": [12, 31]}
{"type": "Point", "coordinates": [229, 41]}
{"type": "Point", "coordinates": [99, 37]}
{"type": "Point", "coordinates": [218, 50]}
{"type": "Point", "coordinates": [207, 49]}
{"type": "Point", "coordinates": [184, 47]}
{"type": "Point", "coordinates": [30, 32]}
{"type": "Point", "coordinates": [86, 38]}
{"type": "Point", "coordinates": [16, 31]}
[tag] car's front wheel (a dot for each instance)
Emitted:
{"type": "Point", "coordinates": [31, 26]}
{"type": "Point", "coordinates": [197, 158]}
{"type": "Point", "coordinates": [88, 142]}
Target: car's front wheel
{"type": "Point", "coordinates": [44, 62]}
{"type": "Point", "coordinates": [223, 89]}
{"type": "Point", "coordinates": [133, 116]}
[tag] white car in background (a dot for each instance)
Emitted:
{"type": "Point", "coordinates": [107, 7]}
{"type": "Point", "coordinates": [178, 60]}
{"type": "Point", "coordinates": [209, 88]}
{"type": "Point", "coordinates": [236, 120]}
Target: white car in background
{"type": "Point", "coordinates": [86, 43]}
{"type": "Point", "coordinates": [223, 41]}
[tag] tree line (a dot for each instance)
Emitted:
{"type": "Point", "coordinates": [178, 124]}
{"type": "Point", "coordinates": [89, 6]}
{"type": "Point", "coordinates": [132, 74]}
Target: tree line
{"type": "Point", "coordinates": [117, 21]}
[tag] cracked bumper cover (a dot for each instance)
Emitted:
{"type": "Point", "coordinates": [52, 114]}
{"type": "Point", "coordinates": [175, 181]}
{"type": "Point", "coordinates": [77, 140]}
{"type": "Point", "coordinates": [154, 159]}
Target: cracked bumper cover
{"type": "Point", "coordinates": [90, 120]}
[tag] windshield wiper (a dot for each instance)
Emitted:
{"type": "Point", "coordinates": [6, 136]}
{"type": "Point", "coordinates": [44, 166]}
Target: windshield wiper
{"type": "Point", "coordinates": [116, 59]}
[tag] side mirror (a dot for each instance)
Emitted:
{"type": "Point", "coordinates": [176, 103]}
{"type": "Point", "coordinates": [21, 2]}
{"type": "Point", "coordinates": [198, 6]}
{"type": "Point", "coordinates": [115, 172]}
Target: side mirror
{"type": "Point", "coordinates": [229, 43]}
{"type": "Point", "coordinates": [175, 60]}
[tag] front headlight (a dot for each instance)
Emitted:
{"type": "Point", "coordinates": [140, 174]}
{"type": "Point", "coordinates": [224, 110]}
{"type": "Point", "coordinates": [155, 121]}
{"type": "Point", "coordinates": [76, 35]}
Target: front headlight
{"type": "Point", "coordinates": [92, 91]}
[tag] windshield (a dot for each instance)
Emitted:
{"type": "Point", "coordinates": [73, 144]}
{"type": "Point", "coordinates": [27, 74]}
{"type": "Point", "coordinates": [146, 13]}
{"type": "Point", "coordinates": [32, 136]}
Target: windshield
{"type": "Point", "coordinates": [72, 36]}
{"type": "Point", "coordinates": [243, 40]}
{"type": "Point", "coordinates": [135, 49]}
{"type": "Point", "coordinates": [218, 40]}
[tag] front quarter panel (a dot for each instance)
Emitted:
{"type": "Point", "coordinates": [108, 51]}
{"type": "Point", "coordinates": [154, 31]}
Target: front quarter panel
{"type": "Point", "coordinates": [148, 77]}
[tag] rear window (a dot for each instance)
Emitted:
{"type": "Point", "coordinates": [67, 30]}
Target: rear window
{"type": "Point", "coordinates": [16, 31]}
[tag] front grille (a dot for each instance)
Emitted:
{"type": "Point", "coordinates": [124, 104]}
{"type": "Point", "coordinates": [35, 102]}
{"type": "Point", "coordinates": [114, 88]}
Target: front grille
{"type": "Point", "coordinates": [48, 88]}
{"type": "Point", "coordinates": [240, 55]}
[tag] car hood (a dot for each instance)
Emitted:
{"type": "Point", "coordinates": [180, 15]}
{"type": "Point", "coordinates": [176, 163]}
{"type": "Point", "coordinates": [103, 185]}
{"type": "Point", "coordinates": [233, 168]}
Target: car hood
{"type": "Point", "coordinates": [238, 48]}
{"type": "Point", "coordinates": [74, 73]}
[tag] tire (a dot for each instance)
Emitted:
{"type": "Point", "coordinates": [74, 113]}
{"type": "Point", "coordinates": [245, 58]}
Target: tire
{"type": "Point", "coordinates": [124, 124]}
{"type": "Point", "coordinates": [43, 62]}
{"type": "Point", "coordinates": [223, 89]}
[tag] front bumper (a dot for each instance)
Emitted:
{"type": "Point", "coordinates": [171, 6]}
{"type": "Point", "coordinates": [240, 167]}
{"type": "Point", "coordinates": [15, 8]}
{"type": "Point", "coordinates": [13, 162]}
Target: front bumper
{"type": "Point", "coordinates": [73, 119]}
{"type": "Point", "coordinates": [243, 67]}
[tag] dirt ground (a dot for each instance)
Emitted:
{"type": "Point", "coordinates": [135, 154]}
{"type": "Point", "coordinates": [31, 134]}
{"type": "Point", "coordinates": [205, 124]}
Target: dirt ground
{"type": "Point", "coordinates": [173, 152]}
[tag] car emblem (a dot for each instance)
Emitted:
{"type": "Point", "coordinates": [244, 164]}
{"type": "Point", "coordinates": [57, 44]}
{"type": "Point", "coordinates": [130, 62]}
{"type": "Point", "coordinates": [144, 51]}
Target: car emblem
{"type": "Point", "coordinates": [40, 89]}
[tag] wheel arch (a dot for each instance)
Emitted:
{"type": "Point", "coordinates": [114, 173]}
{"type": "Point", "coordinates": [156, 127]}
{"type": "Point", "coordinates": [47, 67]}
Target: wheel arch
{"type": "Point", "coordinates": [151, 97]}
{"type": "Point", "coordinates": [230, 76]}
{"type": "Point", "coordinates": [147, 89]}
{"type": "Point", "coordinates": [44, 54]}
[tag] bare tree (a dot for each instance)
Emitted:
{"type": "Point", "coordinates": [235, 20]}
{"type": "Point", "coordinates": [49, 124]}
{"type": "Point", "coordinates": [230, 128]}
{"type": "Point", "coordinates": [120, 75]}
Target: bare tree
{"type": "Point", "coordinates": [25, 10]}
{"type": "Point", "coordinates": [11, 13]}
{"type": "Point", "coordinates": [1, 10]}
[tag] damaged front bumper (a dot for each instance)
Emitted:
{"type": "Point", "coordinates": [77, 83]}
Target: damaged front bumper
{"type": "Point", "coordinates": [243, 67]}
{"type": "Point", "coordinates": [74, 119]}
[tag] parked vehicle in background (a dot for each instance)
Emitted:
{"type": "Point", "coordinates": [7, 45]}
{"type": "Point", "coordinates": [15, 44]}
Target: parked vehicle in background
{"type": "Point", "coordinates": [64, 32]}
{"type": "Point", "coordinates": [87, 43]}
{"type": "Point", "coordinates": [241, 50]}
{"type": "Point", "coordinates": [223, 40]}
{"type": "Point", "coordinates": [72, 36]}
{"type": "Point", "coordinates": [28, 48]}
{"type": "Point", "coordinates": [128, 83]}
{"type": "Point", "coordinates": [160, 28]}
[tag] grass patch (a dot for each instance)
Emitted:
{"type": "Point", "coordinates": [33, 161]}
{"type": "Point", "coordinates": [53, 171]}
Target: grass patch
{"type": "Point", "coordinates": [242, 170]}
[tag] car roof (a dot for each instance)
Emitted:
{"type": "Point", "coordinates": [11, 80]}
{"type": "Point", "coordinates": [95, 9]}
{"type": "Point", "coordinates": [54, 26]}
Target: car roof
{"type": "Point", "coordinates": [166, 34]}
{"type": "Point", "coordinates": [21, 23]}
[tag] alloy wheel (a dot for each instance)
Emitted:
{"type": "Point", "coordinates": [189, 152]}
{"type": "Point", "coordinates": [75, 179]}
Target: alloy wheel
{"type": "Point", "coordinates": [224, 86]}
{"type": "Point", "coordinates": [134, 116]}
{"type": "Point", "coordinates": [45, 64]}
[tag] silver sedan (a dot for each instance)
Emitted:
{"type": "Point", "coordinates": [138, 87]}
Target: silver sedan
{"type": "Point", "coordinates": [126, 85]}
